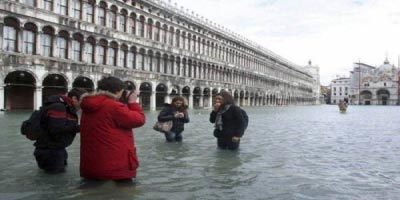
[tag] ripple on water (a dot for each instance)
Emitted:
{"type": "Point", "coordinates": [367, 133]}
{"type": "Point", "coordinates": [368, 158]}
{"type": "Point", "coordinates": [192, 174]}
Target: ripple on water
{"type": "Point", "coordinates": [304, 152]}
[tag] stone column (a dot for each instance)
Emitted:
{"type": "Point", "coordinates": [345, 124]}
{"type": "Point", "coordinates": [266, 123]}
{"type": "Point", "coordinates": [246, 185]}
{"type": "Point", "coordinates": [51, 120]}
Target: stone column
{"type": "Point", "coordinates": [38, 47]}
{"type": "Point", "coordinates": [54, 52]}
{"type": "Point", "coordinates": [37, 102]}
{"type": "Point", "coordinates": [2, 97]}
{"type": "Point", "coordinates": [20, 39]}
{"type": "Point", "coordinates": [69, 47]}
{"type": "Point", "coordinates": [153, 100]}
{"type": "Point", "coordinates": [201, 99]}
{"type": "Point", "coordinates": [83, 48]}
{"type": "Point", "coordinates": [1, 31]}
{"type": "Point", "coordinates": [190, 101]}
{"type": "Point", "coordinates": [167, 98]}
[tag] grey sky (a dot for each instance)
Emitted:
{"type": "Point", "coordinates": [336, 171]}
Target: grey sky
{"type": "Point", "coordinates": [333, 34]}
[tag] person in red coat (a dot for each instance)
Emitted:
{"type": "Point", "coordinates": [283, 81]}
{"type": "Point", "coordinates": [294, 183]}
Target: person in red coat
{"type": "Point", "coordinates": [108, 149]}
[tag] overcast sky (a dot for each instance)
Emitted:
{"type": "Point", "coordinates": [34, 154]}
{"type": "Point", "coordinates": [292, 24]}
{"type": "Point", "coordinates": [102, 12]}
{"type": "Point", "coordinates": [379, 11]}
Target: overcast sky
{"type": "Point", "coordinates": [333, 34]}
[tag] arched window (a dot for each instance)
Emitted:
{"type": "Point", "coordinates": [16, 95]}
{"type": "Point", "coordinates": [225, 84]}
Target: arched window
{"type": "Point", "coordinates": [47, 4]}
{"type": "Point", "coordinates": [165, 36]}
{"type": "Point", "coordinates": [158, 62]}
{"type": "Point", "coordinates": [165, 63]}
{"type": "Point", "coordinates": [172, 65]}
{"type": "Point", "coordinates": [132, 24]}
{"type": "Point", "coordinates": [140, 59]}
{"type": "Point", "coordinates": [101, 17]}
{"type": "Point", "coordinates": [112, 54]}
{"type": "Point", "coordinates": [29, 37]}
{"type": "Point", "coordinates": [62, 44]}
{"type": "Point", "coordinates": [46, 41]}
{"type": "Point", "coordinates": [123, 53]}
{"type": "Point", "coordinates": [151, 61]}
{"type": "Point", "coordinates": [157, 32]}
{"type": "Point", "coordinates": [150, 29]}
{"type": "Point", "coordinates": [62, 7]}
{"type": "Point", "coordinates": [177, 38]}
{"type": "Point", "coordinates": [77, 42]}
{"type": "Point", "coordinates": [76, 8]}
{"type": "Point", "coordinates": [183, 40]}
{"type": "Point", "coordinates": [89, 10]}
{"type": "Point", "coordinates": [101, 52]}
{"type": "Point", "coordinates": [122, 20]}
{"type": "Point", "coordinates": [141, 26]}
{"type": "Point", "coordinates": [10, 34]}
{"type": "Point", "coordinates": [113, 17]}
{"type": "Point", "coordinates": [189, 40]}
{"type": "Point", "coordinates": [132, 58]}
{"type": "Point", "coordinates": [194, 44]}
{"type": "Point", "coordinates": [171, 36]}
{"type": "Point", "coordinates": [89, 49]}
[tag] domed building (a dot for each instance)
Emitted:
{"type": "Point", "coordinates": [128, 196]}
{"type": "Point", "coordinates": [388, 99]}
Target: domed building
{"type": "Point", "coordinates": [374, 85]}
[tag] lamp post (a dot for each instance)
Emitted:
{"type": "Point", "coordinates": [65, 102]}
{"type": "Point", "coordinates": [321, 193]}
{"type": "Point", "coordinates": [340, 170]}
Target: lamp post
{"type": "Point", "coordinates": [359, 82]}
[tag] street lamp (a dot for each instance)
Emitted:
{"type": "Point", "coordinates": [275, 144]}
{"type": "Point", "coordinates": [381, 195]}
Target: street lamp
{"type": "Point", "coordinates": [359, 82]}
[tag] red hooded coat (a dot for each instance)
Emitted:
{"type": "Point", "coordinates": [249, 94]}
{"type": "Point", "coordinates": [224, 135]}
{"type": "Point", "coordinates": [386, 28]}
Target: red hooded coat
{"type": "Point", "coordinates": [108, 149]}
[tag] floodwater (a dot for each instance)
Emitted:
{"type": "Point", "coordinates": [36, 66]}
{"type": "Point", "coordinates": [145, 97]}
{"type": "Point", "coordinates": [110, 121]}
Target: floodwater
{"type": "Point", "coordinates": [303, 152]}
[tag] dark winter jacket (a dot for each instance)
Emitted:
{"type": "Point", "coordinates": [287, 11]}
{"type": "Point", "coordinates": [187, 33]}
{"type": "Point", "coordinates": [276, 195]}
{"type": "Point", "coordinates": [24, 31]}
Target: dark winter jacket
{"type": "Point", "coordinates": [233, 123]}
{"type": "Point", "coordinates": [168, 114]}
{"type": "Point", "coordinates": [60, 123]}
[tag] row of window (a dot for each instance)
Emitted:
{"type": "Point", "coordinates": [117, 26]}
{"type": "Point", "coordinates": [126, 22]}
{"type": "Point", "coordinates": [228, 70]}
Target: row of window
{"type": "Point", "coordinates": [88, 11]}
{"type": "Point", "coordinates": [340, 94]}
{"type": "Point", "coordinates": [111, 54]}
{"type": "Point", "coordinates": [340, 88]}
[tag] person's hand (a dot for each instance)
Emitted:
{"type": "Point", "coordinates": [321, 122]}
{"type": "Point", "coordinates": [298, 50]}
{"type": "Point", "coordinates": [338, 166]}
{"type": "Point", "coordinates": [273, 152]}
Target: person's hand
{"type": "Point", "coordinates": [179, 115]}
{"type": "Point", "coordinates": [235, 139]}
{"type": "Point", "coordinates": [216, 106]}
{"type": "Point", "coordinates": [132, 97]}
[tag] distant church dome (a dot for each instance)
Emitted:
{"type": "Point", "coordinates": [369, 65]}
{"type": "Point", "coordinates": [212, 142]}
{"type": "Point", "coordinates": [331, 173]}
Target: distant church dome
{"type": "Point", "coordinates": [386, 66]}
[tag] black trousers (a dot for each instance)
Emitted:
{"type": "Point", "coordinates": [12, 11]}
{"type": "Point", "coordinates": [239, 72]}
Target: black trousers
{"type": "Point", "coordinates": [226, 143]}
{"type": "Point", "coordinates": [51, 160]}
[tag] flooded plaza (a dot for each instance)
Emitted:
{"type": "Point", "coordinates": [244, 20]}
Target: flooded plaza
{"type": "Point", "coordinates": [303, 152]}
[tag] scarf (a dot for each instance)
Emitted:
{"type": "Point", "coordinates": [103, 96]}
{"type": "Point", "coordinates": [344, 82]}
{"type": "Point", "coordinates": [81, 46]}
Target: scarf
{"type": "Point", "coordinates": [218, 119]}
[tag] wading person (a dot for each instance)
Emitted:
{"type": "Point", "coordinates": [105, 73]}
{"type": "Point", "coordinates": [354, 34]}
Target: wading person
{"type": "Point", "coordinates": [108, 149]}
{"type": "Point", "coordinates": [229, 121]}
{"type": "Point", "coordinates": [60, 128]}
{"type": "Point", "coordinates": [177, 113]}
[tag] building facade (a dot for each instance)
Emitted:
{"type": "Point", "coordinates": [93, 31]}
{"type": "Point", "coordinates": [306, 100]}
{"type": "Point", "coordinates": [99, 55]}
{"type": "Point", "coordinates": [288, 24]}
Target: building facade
{"type": "Point", "coordinates": [51, 46]}
{"type": "Point", "coordinates": [374, 85]}
{"type": "Point", "coordinates": [340, 90]}
{"type": "Point", "coordinates": [314, 72]}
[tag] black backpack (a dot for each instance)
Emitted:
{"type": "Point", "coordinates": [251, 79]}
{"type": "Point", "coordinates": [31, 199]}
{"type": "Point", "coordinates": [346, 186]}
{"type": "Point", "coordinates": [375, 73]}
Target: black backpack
{"type": "Point", "coordinates": [33, 127]}
{"type": "Point", "coordinates": [246, 118]}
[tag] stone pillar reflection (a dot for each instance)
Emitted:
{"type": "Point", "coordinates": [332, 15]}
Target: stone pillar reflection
{"type": "Point", "coordinates": [2, 98]}
{"type": "Point", "coordinates": [37, 96]}
{"type": "Point", "coordinates": [153, 100]}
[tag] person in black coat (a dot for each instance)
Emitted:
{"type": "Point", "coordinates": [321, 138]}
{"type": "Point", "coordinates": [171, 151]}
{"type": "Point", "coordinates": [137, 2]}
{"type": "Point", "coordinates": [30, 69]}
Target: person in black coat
{"type": "Point", "coordinates": [60, 128]}
{"type": "Point", "coordinates": [177, 113]}
{"type": "Point", "coordinates": [229, 121]}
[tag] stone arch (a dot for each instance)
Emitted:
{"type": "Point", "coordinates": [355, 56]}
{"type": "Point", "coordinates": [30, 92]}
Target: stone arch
{"type": "Point", "coordinates": [19, 90]}
{"type": "Point", "coordinates": [145, 95]}
{"type": "Point", "coordinates": [54, 84]}
{"type": "Point", "coordinates": [84, 83]}
{"type": "Point", "coordinates": [383, 97]}
{"type": "Point", "coordinates": [197, 97]}
{"type": "Point", "coordinates": [161, 93]}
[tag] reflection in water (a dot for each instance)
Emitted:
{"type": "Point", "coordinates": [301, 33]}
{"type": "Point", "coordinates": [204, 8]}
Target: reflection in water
{"type": "Point", "coordinates": [310, 152]}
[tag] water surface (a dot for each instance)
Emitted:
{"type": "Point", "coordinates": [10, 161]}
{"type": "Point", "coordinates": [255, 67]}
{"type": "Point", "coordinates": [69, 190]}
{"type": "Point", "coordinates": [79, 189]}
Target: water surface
{"type": "Point", "coordinates": [305, 152]}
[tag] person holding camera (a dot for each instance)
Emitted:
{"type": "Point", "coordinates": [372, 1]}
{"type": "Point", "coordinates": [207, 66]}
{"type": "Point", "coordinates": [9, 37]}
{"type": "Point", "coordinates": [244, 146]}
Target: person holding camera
{"type": "Point", "coordinates": [177, 113]}
{"type": "Point", "coordinates": [108, 149]}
